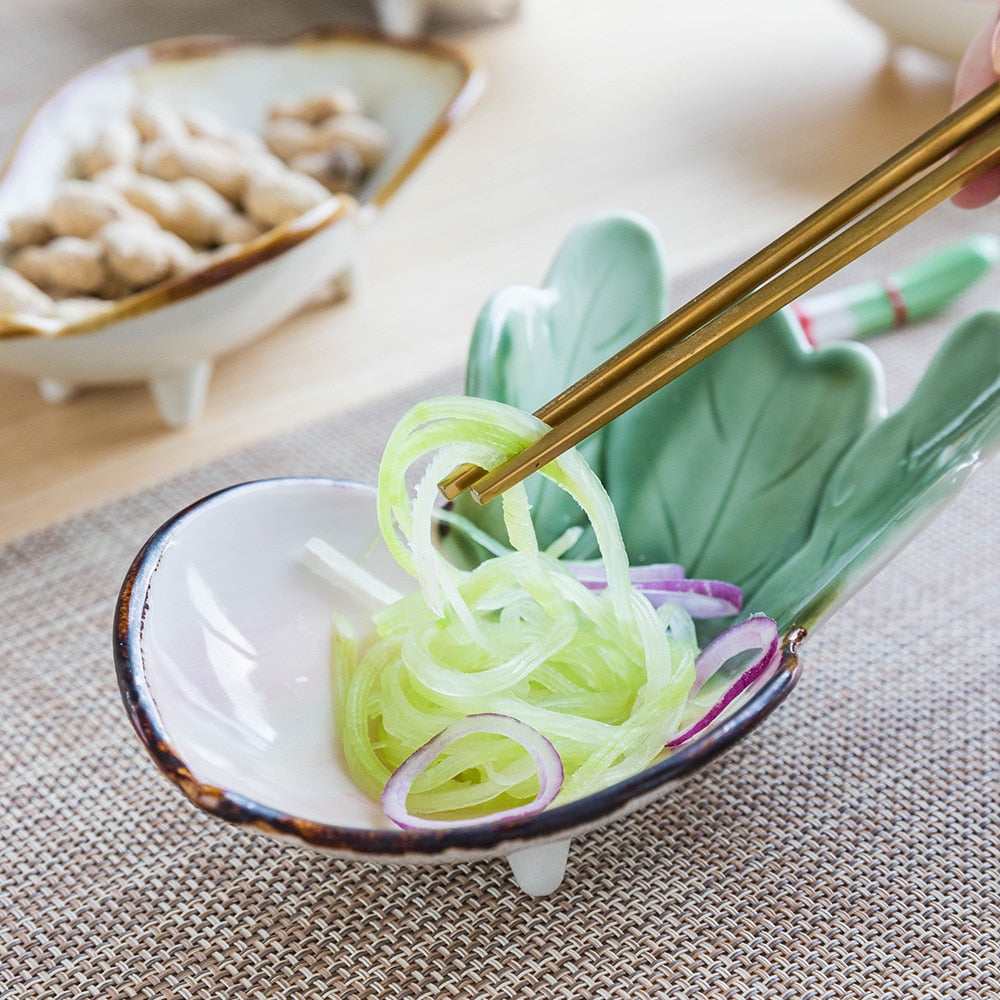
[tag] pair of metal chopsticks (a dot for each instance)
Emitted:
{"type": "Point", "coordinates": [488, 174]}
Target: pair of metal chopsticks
{"type": "Point", "coordinates": [966, 146]}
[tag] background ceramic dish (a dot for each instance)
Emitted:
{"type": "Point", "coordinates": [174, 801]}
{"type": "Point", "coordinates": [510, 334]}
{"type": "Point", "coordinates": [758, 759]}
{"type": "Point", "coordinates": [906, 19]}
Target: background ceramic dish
{"type": "Point", "coordinates": [944, 27]}
{"type": "Point", "coordinates": [781, 472]}
{"type": "Point", "coordinates": [169, 334]}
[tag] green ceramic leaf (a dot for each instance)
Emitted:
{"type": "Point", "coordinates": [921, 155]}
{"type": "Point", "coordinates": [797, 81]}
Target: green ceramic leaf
{"type": "Point", "coordinates": [719, 470]}
{"type": "Point", "coordinates": [606, 287]}
{"type": "Point", "coordinates": [770, 464]}
{"type": "Point", "coordinates": [896, 476]}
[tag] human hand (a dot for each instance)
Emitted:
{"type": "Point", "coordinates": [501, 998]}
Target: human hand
{"type": "Point", "coordinates": [979, 68]}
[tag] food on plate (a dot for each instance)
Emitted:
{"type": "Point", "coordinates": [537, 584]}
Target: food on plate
{"type": "Point", "coordinates": [529, 680]}
{"type": "Point", "coordinates": [166, 190]}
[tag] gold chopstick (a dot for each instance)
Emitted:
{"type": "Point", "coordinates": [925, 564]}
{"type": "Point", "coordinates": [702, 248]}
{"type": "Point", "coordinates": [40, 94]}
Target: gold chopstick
{"type": "Point", "coordinates": [731, 306]}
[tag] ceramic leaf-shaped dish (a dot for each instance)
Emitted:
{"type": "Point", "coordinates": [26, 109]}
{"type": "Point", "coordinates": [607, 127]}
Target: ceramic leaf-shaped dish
{"type": "Point", "coordinates": [606, 287]}
{"type": "Point", "coordinates": [168, 335]}
{"type": "Point", "coordinates": [772, 464]}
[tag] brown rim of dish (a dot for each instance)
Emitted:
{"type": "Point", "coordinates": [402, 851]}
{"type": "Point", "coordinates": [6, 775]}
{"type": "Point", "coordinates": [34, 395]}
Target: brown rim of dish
{"type": "Point", "coordinates": [279, 239]}
{"type": "Point", "coordinates": [551, 824]}
{"type": "Point", "coordinates": [265, 247]}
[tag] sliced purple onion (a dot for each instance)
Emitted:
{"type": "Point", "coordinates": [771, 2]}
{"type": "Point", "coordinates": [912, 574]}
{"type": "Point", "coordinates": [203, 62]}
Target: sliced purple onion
{"type": "Point", "coordinates": [547, 762]}
{"type": "Point", "coordinates": [595, 576]}
{"type": "Point", "coordinates": [758, 634]}
{"type": "Point", "coordinates": [641, 575]}
{"type": "Point", "coordinates": [662, 582]}
{"type": "Point", "coordinates": [699, 598]}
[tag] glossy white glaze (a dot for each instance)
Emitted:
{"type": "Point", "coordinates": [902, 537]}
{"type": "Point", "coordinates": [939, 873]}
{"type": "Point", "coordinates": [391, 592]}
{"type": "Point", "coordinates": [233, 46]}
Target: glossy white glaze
{"type": "Point", "coordinates": [223, 640]}
{"type": "Point", "coordinates": [235, 652]}
{"type": "Point", "coordinates": [236, 645]}
{"type": "Point", "coordinates": [171, 346]}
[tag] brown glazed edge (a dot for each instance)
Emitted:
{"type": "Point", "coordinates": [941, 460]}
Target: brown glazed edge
{"type": "Point", "coordinates": [565, 820]}
{"type": "Point", "coordinates": [281, 238]}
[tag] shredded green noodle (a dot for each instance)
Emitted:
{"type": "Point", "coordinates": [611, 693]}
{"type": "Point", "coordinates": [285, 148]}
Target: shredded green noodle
{"type": "Point", "coordinates": [602, 675]}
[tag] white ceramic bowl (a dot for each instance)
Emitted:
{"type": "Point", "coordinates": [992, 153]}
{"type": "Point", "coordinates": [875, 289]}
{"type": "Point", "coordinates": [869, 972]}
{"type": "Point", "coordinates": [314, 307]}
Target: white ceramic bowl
{"type": "Point", "coordinates": [222, 650]}
{"type": "Point", "coordinates": [943, 27]}
{"type": "Point", "coordinates": [168, 335]}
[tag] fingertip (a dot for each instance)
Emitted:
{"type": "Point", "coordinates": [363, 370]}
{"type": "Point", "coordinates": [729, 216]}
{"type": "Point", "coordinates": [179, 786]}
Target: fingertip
{"type": "Point", "coordinates": [980, 192]}
{"type": "Point", "coordinates": [978, 67]}
{"type": "Point", "coordinates": [995, 45]}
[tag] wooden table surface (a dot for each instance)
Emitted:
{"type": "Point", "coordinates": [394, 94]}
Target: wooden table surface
{"type": "Point", "coordinates": [723, 122]}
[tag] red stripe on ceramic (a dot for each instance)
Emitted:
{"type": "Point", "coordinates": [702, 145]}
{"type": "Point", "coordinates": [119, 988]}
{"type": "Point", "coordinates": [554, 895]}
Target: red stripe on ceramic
{"type": "Point", "coordinates": [900, 312]}
{"type": "Point", "coordinates": [805, 320]}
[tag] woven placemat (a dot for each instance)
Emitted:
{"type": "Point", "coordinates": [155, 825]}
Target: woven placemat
{"type": "Point", "coordinates": [849, 849]}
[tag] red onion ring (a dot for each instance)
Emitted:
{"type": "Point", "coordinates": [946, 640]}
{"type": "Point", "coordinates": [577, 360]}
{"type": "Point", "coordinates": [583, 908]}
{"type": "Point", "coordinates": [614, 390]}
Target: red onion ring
{"type": "Point", "coordinates": [594, 575]}
{"type": "Point", "coordinates": [662, 582]}
{"type": "Point", "coordinates": [757, 632]}
{"type": "Point", "coordinates": [699, 598]}
{"type": "Point", "coordinates": [546, 758]}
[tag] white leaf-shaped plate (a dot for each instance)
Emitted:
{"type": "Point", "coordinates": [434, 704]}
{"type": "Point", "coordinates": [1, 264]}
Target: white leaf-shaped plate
{"type": "Point", "coordinates": [222, 647]}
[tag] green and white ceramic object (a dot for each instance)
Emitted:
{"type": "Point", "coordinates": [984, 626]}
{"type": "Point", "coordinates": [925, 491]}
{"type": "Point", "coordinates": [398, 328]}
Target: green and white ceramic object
{"type": "Point", "coordinates": [771, 464]}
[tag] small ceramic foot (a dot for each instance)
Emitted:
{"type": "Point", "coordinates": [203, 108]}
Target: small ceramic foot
{"type": "Point", "coordinates": [53, 390]}
{"type": "Point", "coordinates": [336, 289]}
{"type": "Point", "coordinates": [343, 285]}
{"type": "Point", "coordinates": [401, 17]}
{"type": "Point", "coordinates": [180, 395]}
{"type": "Point", "coordinates": [539, 870]}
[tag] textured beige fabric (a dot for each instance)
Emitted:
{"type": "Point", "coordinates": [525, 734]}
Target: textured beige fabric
{"type": "Point", "coordinates": [849, 849]}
